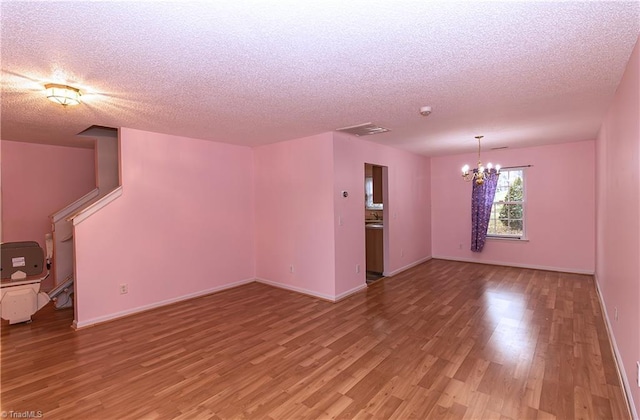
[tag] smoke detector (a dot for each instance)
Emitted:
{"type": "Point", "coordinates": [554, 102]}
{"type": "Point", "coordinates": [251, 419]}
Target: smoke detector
{"type": "Point", "coordinates": [425, 111]}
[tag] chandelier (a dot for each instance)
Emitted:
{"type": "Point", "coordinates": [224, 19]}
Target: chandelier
{"type": "Point", "coordinates": [480, 173]}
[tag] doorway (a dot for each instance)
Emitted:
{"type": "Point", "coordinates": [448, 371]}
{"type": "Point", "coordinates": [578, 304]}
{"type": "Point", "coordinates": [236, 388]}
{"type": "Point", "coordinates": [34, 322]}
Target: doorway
{"type": "Point", "coordinates": [375, 220]}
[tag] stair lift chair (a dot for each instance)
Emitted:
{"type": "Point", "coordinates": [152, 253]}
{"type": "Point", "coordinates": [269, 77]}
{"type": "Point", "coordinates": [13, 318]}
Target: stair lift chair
{"type": "Point", "coordinates": [22, 269]}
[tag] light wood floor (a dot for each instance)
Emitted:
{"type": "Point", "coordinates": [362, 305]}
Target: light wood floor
{"type": "Point", "coordinates": [442, 340]}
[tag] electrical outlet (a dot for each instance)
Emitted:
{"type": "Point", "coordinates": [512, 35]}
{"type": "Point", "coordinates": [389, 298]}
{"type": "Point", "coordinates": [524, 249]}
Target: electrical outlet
{"type": "Point", "coordinates": [124, 288]}
{"type": "Point", "coordinates": [291, 268]}
{"type": "Point", "coordinates": [357, 268]}
{"type": "Point", "coordinates": [460, 246]}
{"type": "Point", "coordinates": [615, 313]}
{"type": "Point", "coordinates": [401, 252]}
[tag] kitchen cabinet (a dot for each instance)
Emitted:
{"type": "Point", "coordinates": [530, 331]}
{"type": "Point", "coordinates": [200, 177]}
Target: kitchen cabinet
{"type": "Point", "coordinates": [374, 251]}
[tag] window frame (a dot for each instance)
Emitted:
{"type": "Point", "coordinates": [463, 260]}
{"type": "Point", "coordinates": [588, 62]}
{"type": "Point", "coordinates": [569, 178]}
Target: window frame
{"type": "Point", "coordinates": [368, 195]}
{"type": "Point", "coordinates": [523, 236]}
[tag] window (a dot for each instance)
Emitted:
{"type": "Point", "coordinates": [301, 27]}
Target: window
{"type": "Point", "coordinates": [368, 195]}
{"type": "Point", "coordinates": [507, 213]}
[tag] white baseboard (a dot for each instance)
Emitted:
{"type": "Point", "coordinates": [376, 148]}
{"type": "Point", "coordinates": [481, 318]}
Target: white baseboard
{"type": "Point", "coordinates": [348, 293]}
{"type": "Point", "coordinates": [508, 264]}
{"type": "Point", "coordinates": [297, 289]}
{"type": "Point", "coordinates": [93, 321]}
{"type": "Point", "coordinates": [406, 267]}
{"type": "Point", "coordinates": [110, 317]}
{"type": "Point", "coordinates": [308, 292]}
{"type": "Point", "coordinates": [622, 374]}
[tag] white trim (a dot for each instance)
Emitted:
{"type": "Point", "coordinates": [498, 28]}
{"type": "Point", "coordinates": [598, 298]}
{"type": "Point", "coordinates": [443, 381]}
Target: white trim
{"type": "Point", "coordinates": [154, 305]}
{"type": "Point", "coordinates": [406, 267]}
{"type": "Point", "coordinates": [509, 264]}
{"type": "Point", "coordinates": [622, 374]}
{"type": "Point", "coordinates": [348, 293]}
{"type": "Point", "coordinates": [95, 207]}
{"type": "Point", "coordinates": [506, 238]}
{"type": "Point", "coordinates": [297, 289]}
{"type": "Point", "coordinates": [67, 210]}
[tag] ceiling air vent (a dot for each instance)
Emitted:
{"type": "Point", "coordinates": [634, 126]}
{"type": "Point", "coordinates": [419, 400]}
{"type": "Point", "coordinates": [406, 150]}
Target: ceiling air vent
{"type": "Point", "coordinates": [365, 129]}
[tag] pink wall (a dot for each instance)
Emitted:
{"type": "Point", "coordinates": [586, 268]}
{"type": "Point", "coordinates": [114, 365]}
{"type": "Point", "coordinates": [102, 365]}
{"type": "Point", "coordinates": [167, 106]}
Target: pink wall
{"type": "Point", "coordinates": [407, 211]}
{"type": "Point", "coordinates": [618, 218]}
{"type": "Point", "coordinates": [37, 181]}
{"type": "Point", "coordinates": [294, 214]}
{"type": "Point", "coordinates": [182, 227]}
{"type": "Point", "coordinates": [299, 206]}
{"type": "Point", "coordinates": [560, 208]}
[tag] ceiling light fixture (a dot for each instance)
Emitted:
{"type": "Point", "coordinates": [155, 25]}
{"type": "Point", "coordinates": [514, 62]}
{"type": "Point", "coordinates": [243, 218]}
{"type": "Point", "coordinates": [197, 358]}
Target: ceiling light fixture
{"type": "Point", "coordinates": [480, 173]}
{"type": "Point", "coordinates": [63, 94]}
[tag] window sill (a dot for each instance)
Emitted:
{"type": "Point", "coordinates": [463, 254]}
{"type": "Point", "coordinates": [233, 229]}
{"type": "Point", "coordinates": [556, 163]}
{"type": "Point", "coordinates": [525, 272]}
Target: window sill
{"type": "Point", "coordinates": [507, 238]}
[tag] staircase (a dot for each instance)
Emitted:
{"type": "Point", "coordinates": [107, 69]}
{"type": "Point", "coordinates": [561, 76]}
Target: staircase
{"type": "Point", "coordinates": [107, 181]}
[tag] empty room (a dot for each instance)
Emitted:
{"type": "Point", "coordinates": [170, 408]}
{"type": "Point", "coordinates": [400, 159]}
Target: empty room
{"type": "Point", "coordinates": [313, 210]}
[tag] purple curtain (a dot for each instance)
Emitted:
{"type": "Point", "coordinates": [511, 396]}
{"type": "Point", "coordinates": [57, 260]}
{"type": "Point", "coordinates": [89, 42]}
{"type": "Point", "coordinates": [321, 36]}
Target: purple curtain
{"type": "Point", "coordinates": [481, 202]}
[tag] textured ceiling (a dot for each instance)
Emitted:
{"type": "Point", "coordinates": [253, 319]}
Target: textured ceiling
{"type": "Point", "coordinates": [260, 71]}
